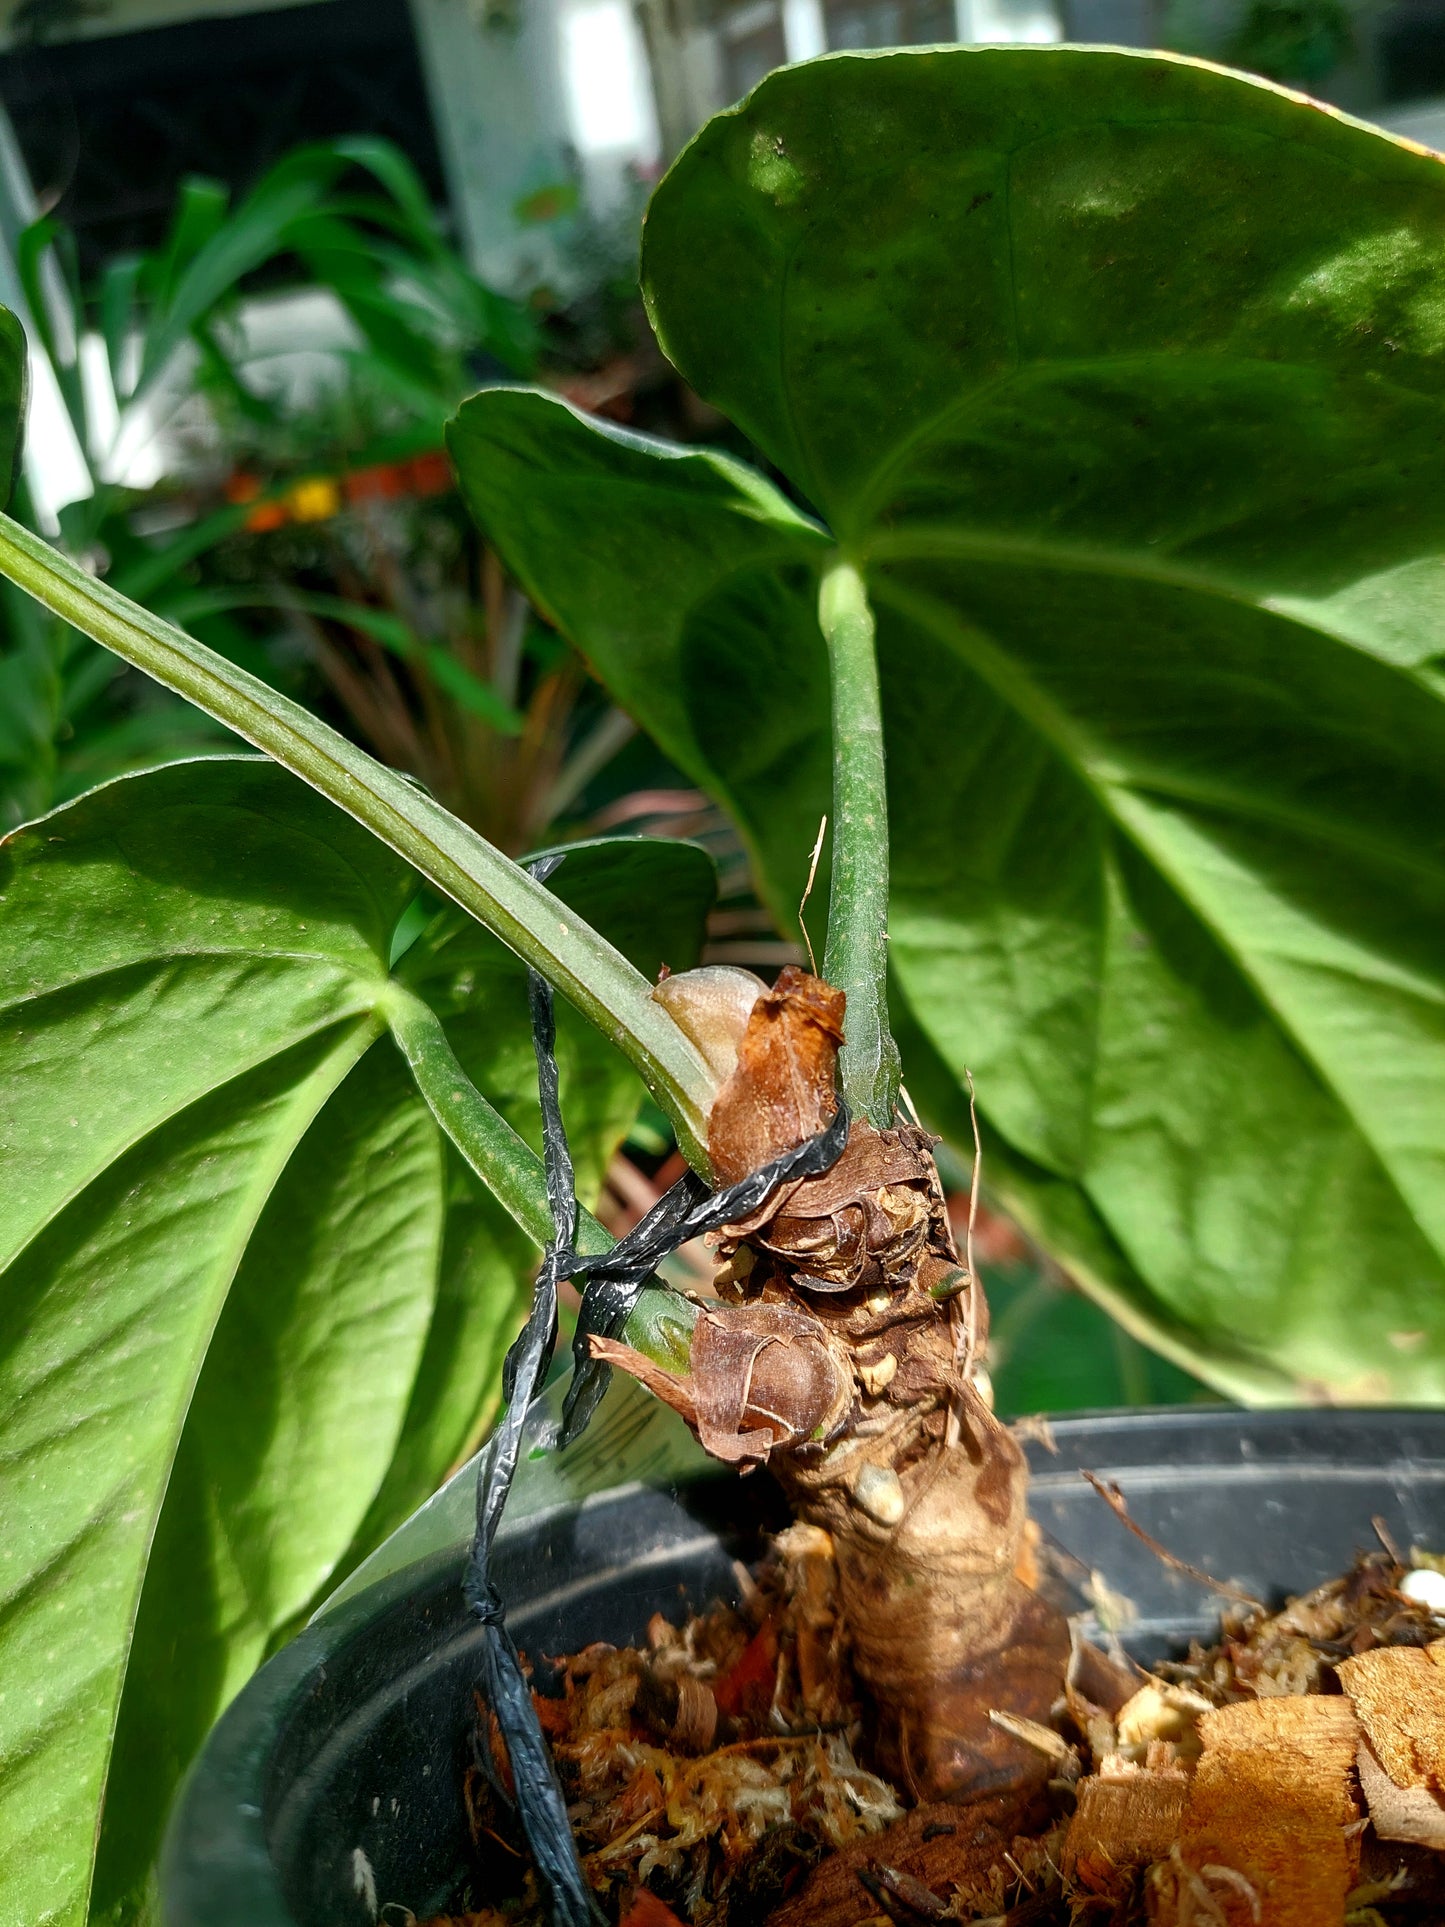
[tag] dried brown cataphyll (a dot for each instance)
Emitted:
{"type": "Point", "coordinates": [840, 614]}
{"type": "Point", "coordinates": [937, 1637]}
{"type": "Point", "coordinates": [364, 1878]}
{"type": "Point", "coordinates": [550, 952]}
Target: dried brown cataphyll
{"type": "Point", "coordinates": [893, 1725]}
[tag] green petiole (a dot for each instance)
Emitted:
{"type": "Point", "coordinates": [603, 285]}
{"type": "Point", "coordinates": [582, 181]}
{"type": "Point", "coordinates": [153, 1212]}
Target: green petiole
{"type": "Point", "coordinates": [857, 953]}
{"type": "Point", "coordinates": [661, 1323]}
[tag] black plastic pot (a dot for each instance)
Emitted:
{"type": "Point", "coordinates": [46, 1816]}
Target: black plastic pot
{"type": "Point", "coordinates": [333, 1785]}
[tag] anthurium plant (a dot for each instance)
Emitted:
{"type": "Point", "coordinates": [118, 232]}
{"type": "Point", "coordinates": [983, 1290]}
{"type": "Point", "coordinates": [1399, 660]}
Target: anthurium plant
{"type": "Point", "coordinates": [1093, 575]}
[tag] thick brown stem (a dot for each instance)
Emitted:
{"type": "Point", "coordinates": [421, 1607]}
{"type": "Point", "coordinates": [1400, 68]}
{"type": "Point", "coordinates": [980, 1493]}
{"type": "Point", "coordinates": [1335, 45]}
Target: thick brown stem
{"type": "Point", "coordinates": [841, 1357]}
{"type": "Point", "coordinates": [943, 1629]}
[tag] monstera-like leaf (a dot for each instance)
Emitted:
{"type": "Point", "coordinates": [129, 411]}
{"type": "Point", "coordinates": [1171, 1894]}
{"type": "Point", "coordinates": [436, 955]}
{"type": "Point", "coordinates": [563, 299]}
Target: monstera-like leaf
{"type": "Point", "coordinates": [253, 1306]}
{"type": "Point", "coordinates": [1121, 380]}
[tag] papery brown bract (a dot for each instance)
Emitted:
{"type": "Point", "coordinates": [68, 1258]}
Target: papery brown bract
{"type": "Point", "coordinates": [781, 1092]}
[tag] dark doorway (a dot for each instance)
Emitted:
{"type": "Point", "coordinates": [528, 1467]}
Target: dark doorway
{"type": "Point", "coordinates": [110, 126]}
{"type": "Point", "coordinates": [1412, 50]}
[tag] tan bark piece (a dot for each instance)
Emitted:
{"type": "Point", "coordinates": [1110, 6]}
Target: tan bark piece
{"type": "Point", "coordinates": [1399, 1695]}
{"type": "Point", "coordinates": [1412, 1814]}
{"type": "Point", "coordinates": [1122, 1820]}
{"type": "Point", "coordinates": [1263, 1838]}
{"type": "Point", "coordinates": [1096, 1679]}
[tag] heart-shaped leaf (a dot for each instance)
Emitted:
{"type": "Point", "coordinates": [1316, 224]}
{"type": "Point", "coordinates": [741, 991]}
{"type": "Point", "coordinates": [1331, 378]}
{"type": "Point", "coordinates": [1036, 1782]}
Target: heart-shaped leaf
{"type": "Point", "coordinates": [1120, 379]}
{"type": "Point", "coordinates": [253, 1307]}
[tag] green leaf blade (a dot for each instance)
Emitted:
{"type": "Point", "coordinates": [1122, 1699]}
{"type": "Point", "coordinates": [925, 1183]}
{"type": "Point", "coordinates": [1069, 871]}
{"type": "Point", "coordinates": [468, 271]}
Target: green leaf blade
{"type": "Point", "coordinates": [297, 1413]}
{"type": "Point", "coordinates": [965, 219]}
{"type": "Point", "coordinates": [1120, 379]}
{"type": "Point", "coordinates": [252, 1308]}
{"type": "Point", "coordinates": [109, 1321]}
{"type": "Point", "coordinates": [189, 965]}
{"type": "Point", "coordinates": [704, 627]}
{"type": "Point", "coordinates": [78, 982]}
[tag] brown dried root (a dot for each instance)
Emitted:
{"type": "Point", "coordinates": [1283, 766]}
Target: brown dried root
{"type": "Point", "coordinates": [717, 1761]}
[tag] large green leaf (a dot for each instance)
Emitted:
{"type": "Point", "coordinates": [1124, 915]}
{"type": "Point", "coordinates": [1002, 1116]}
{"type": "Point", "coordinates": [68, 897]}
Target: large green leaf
{"type": "Point", "coordinates": [1122, 380]}
{"type": "Point", "coordinates": [253, 1307]}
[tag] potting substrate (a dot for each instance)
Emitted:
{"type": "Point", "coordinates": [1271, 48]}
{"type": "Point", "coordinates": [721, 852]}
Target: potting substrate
{"type": "Point", "coordinates": [335, 1790]}
{"type": "Point", "coordinates": [718, 1774]}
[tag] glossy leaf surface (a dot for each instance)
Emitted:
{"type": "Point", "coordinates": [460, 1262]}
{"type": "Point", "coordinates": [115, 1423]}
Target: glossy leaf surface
{"type": "Point", "coordinates": [252, 1304]}
{"type": "Point", "coordinates": [1121, 379]}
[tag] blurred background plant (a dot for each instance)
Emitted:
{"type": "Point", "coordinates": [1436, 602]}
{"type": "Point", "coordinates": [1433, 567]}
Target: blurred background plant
{"type": "Point", "coordinates": [1298, 41]}
{"type": "Point", "coordinates": [257, 404]}
{"type": "Point", "coordinates": [1328, 47]}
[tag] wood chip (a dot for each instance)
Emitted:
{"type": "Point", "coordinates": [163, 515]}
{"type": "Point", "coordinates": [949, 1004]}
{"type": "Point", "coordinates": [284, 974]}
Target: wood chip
{"type": "Point", "coordinates": [1042, 1738]}
{"type": "Point", "coordinates": [1265, 1839]}
{"type": "Point", "coordinates": [1399, 1695]}
{"type": "Point", "coordinates": [1102, 1681]}
{"type": "Point", "coordinates": [1122, 1821]}
{"type": "Point", "coordinates": [696, 1722]}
